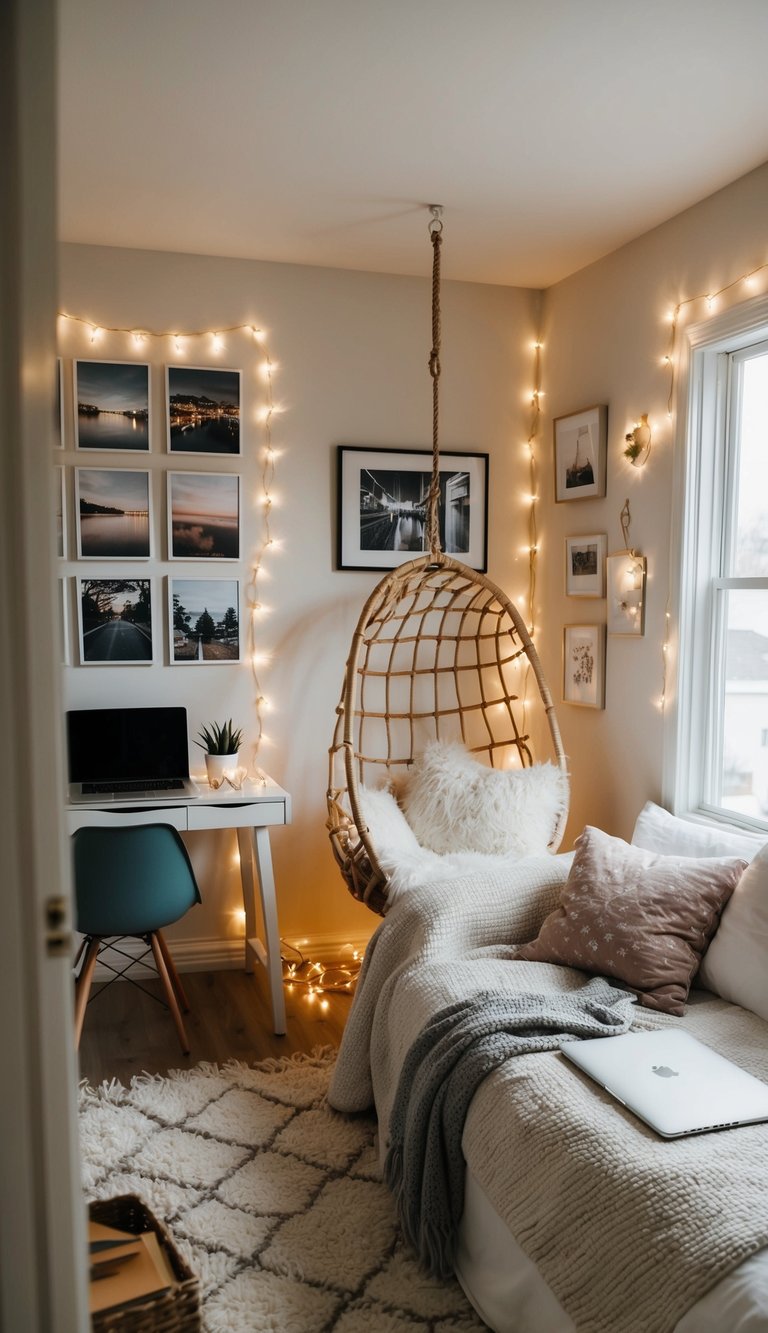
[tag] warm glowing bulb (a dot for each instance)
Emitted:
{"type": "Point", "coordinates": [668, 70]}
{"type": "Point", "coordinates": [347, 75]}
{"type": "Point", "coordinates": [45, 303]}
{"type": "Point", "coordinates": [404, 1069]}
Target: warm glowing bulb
{"type": "Point", "coordinates": [178, 341]}
{"type": "Point", "coordinates": [217, 342]}
{"type": "Point", "coordinates": [95, 333]}
{"type": "Point", "coordinates": [323, 1004]}
{"type": "Point", "coordinates": [239, 916]}
{"type": "Point", "coordinates": [138, 339]}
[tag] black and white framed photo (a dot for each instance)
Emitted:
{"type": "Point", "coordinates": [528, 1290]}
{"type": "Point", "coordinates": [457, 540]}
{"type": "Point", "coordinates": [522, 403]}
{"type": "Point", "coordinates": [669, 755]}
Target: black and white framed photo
{"type": "Point", "coordinates": [580, 454]}
{"type": "Point", "coordinates": [204, 621]}
{"type": "Point", "coordinates": [112, 405]}
{"type": "Point", "coordinates": [585, 565]}
{"type": "Point", "coordinates": [584, 665]}
{"type": "Point", "coordinates": [60, 497]}
{"type": "Point", "coordinates": [626, 572]}
{"type": "Point", "coordinates": [113, 514]}
{"type": "Point", "coordinates": [203, 516]}
{"type": "Point", "coordinates": [115, 622]}
{"type": "Point", "coordinates": [382, 506]}
{"type": "Point", "coordinates": [202, 410]}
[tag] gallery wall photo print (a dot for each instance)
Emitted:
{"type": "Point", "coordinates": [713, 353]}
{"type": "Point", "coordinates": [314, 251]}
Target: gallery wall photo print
{"type": "Point", "coordinates": [202, 410]}
{"type": "Point", "coordinates": [382, 506]}
{"type": "Point", "coordinates": [204, 621]}
{"type": "Point", "coordinates": [580, 443]}
{"type": "Point", "coordinates": [203, 516]}
{"type": "Point", "coordinates": [113, 514]}
{"type": "Point", "coordinates": [112, 405]}
{"type": "Point", "coordinates": [584, 665]}
{"type": "Point", "coordinates": [115, 621]}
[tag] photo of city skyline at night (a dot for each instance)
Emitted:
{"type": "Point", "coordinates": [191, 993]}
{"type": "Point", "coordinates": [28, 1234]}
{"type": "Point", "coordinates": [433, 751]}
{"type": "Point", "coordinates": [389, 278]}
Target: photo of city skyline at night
{"type": "Point", "coordinates": [203, 410]}
{"type": "Point", "coordinates": [384, 501]}
{"type": "Point", "coordinates": [112, 405]}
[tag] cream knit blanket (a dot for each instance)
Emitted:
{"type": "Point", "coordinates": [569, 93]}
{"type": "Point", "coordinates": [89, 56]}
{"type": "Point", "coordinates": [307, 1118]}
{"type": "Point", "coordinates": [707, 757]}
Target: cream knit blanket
{"type": "Point", "coordinates": [628, 1230]}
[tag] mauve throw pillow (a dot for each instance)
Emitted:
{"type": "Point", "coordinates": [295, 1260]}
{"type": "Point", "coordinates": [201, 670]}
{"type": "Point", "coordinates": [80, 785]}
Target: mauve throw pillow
{"type": "Point", "coordinates": [642, 918]}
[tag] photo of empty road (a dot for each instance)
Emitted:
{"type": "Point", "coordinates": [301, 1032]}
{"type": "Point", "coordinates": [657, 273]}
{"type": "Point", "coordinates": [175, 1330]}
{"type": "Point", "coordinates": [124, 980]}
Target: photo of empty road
{"type": "Point", "coordinates": [115, 621]}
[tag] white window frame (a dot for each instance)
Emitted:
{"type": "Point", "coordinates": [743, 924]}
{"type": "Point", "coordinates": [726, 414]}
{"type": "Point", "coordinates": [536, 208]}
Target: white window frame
{"type": "Point", "coordinates": [702, 497]}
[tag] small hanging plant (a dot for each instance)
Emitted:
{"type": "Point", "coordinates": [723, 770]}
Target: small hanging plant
{"type": "Point", "coordinates": [219, 738]}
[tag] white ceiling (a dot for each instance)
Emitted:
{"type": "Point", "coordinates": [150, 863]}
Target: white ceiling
{"type": "Point", "coordinates": [314, 131]}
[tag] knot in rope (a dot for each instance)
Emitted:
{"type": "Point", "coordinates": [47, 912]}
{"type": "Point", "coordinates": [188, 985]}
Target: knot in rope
{"type": "Point", "coordinates": [433, 497]}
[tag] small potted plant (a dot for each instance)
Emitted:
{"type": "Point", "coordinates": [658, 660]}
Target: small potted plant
{"type": "Point", "coordinates": [222, 746]}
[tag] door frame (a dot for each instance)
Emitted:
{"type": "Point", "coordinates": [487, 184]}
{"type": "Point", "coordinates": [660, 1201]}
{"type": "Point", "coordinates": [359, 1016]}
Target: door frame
{"type": "Point", "coordinates": [42, 1220]}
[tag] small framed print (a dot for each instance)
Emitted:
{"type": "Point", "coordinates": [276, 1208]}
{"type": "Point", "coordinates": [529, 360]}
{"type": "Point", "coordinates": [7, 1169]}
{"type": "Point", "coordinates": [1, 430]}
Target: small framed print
{"type": "Point", "coordinates": [112, 509]}
{"type": "Point", "coordinates": [204, 621]}
{"type": "Point", "coordinates": [112, 405]}
{"type": "Point", "coordinates": [585, 565]}
{"type": "Point", "coordinates": [115, 622]}
{"type": "Point", "coordinates": [584, 665]}
{"type": "Point", "coordinates": [61, 513]}
{"type": "Point", "coordinates": [626, 574]}
{"type": "Point", "coordinates": [580, 454]}
{"type": "Point", "coordinates": [203, 516]}
{"type": "Point", "coordinates": [382, 506]}
{"type": "Point", "coordinates": [202, 410]}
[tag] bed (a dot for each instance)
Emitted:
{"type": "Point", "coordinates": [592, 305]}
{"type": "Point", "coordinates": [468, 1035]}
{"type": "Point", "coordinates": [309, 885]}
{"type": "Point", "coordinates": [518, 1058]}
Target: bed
{"type": "Point", "coordinates": [576, 1217]}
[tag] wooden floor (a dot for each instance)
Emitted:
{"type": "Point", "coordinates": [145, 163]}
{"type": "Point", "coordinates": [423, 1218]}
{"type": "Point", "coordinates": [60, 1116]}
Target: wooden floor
{"type": "Point", "coordinates": [127, 1032]}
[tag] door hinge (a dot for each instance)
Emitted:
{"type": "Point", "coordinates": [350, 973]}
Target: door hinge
{"type": "Point", "coordinates": [58, 936]}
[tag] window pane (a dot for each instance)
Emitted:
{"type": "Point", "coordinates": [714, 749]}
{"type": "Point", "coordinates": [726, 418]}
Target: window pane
{"type": "Point", "coordinates": [751, 546]}
{"type": "Point", "coordinates": [743, 778]}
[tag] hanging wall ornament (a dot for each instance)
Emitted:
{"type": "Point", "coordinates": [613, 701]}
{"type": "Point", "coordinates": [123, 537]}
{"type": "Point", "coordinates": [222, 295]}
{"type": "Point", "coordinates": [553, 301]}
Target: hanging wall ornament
{"type": "Point", "coordinates": [625, 579]}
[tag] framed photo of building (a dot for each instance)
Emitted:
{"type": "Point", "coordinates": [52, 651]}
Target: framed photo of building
{"type": "Point", "coordinates": [204, 621]}
{"type": "Point", "coordinates": [382, 506]}
{"type": "Point", "coordinates": [112, 509]}
{"type": "Point", "coordinates": [203, 516]}
{"type": "Point", "coordinates": [626, 572]}
{"type": "Point", "coordinates": [584, 665]}
{"type": "Point", "coordinates": [115, 622]}
{"type": "Point", "coordinates": [580, 454]}
{"type": "Point", "coordinates": [111, 405]}
{"type": "Point", "coordinates": [585, 565]}
{"type": "Point", "coordinates": [202, 410]}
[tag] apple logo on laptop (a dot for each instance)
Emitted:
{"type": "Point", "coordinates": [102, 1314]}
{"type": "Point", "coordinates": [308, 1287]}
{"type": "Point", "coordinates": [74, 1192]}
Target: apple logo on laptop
{"type": "Point", "coordinates": [664, 1071]}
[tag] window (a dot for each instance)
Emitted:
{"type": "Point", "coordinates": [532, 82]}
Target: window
{"type": "Point", "coordinates": [720, 756]}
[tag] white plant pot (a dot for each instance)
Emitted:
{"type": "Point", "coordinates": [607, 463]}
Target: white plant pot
{"type": "Point", "coordinates": [218, 764]}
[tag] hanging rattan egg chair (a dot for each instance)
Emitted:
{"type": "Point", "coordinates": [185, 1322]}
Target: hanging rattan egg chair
{"type": "Point", "coordinates": [439, 652]}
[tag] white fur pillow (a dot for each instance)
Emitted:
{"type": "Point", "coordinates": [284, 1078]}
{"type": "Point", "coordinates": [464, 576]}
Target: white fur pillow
{"type": "Point", "coordinates": [455, 804]}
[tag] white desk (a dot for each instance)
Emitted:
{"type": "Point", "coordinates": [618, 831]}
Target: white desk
{"type": "Point", "coordinates": [250, 811]}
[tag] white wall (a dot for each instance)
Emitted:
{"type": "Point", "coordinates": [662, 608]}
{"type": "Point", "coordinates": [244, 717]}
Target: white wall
{"type": "Point", "coordinates": [352, 350]}
{"type": "Point", "coordinates": [605, 338]}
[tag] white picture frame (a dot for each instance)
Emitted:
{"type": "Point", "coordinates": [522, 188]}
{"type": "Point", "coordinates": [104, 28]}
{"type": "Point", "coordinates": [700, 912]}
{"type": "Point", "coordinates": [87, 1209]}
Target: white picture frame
{"type": "Point", "coordinates": [107, 636]}
{"type": "Point", "coordinates": [63, 616]}
{"type": "Point", "coordinates": [580, 441]}
{"type": "Point", "coordinates": [203, 511]}
{"type": "Point", "coordinates": [585, 565]}
{"type": "Point", "coordinates": [113, 513]}
{"type": "Point", "coordinates": [584, 665]}
{"type": "Point", "coordinates": [626, 573]}
{"type": "Point", "coordinates": [203, 411]}
{"type": "Point", "coordinates": [60, 499]}
{"type": "Point", "coordinates": [112, 406]}
{"type": "Point", "coordinates": [191, 598]}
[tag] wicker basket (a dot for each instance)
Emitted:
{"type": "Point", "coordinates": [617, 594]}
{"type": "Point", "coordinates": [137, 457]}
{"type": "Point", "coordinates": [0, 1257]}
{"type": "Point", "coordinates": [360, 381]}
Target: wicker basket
{"type": "Point", "coordinates": [176, 1311]}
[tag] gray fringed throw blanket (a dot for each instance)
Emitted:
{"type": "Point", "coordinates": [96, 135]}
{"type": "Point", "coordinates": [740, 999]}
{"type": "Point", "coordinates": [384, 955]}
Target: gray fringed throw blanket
{"type": "Point", "coordinates": [453, 1053]}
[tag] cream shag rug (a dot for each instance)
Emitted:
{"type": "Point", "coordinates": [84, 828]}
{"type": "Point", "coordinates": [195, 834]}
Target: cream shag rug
{"type": "Point", "coordinates": [274, 1199]}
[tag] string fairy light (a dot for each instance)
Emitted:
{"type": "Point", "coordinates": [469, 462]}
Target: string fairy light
{"type": "Point", "coordinates": [216, 338]}
{"type": "Point", "coordinates": [319, 979]}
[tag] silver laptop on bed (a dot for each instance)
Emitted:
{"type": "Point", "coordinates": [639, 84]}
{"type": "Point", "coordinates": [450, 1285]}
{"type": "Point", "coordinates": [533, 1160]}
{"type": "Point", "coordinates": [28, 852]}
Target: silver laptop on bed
{"type": "Point", "coordinates": [673, 1082]}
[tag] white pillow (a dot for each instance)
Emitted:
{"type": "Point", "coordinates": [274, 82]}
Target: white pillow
{"type": "Point", "coordinates": [455, 804]}
{"type": "Point", "coordinates": [391, 833]}
{"type": "Point", "coordinates": [735, 965]}
{"type": "Point", "coordinates": [657, 830]}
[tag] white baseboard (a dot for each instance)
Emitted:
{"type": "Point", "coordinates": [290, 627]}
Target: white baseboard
{"type": "Point", "coordinates": [217, 955]}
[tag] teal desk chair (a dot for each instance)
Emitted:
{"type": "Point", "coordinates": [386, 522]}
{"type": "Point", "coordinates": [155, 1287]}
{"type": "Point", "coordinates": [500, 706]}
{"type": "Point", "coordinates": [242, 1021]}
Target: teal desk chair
{"type": "Point", "coordinates": [130, 882]}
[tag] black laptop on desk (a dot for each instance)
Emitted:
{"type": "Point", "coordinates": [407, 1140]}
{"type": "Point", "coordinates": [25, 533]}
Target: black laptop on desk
{"type": "Point", "coordinates": [128, 754]}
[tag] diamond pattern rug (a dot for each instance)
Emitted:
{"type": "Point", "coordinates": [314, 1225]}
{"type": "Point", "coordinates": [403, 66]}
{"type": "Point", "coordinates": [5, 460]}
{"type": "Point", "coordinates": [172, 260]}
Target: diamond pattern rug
{"type": "Point", "coordinates": [274, 1199]}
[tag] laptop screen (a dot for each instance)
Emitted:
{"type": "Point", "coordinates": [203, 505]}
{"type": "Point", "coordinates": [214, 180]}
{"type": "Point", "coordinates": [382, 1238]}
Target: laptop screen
{"type": "Point", "coordinates": [127, 744]}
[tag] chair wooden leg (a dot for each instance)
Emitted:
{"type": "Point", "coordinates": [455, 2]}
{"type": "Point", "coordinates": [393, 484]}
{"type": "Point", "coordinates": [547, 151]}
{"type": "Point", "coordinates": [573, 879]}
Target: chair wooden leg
{"type": "Point", "coordinates": [175, 978]}
{"type": "Point", "coordinates": [83, 986]}
{"type": "Point", "coordinates": [169, 991]}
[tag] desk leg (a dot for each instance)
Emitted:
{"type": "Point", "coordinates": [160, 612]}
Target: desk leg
{"type": "Point", "coordinates": [257, 848]}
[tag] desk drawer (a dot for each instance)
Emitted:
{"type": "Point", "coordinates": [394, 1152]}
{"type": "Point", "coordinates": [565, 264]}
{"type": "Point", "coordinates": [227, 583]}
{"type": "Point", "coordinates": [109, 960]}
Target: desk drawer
{"type": "Point", "coordinates": [84, 818]}
{"type": "Point", "coordinates": [258, 814]}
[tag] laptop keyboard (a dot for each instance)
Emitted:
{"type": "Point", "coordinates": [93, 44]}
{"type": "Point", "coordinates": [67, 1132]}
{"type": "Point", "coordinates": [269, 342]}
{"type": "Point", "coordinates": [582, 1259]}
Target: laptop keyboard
{"type": "Point", "coordinates": [111, 788]}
